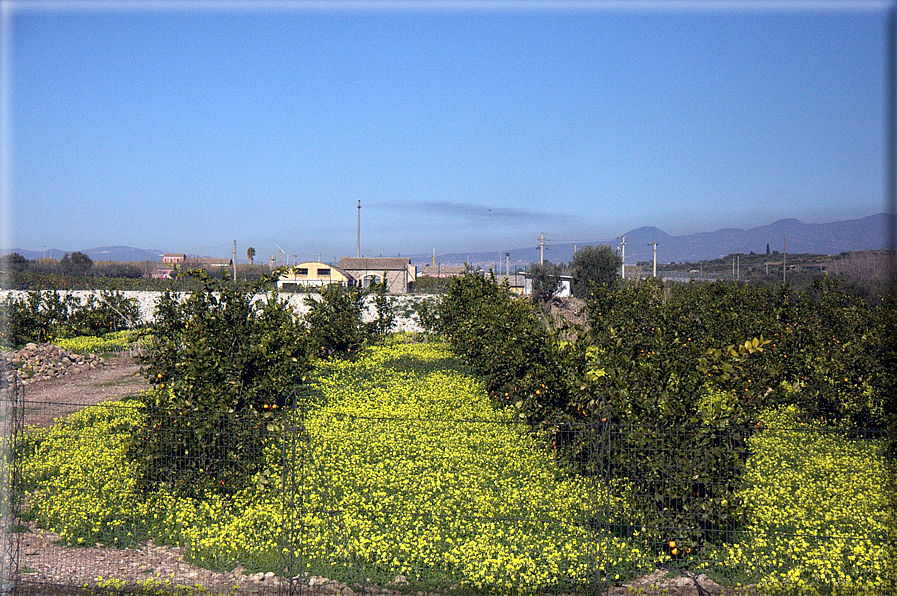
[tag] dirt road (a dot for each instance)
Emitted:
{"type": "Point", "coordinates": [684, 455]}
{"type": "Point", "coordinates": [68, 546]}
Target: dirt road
{"type": "Point", "coordinates": [54, 398]}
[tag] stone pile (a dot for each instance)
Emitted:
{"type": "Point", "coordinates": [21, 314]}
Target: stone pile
{"type": "Point", "coordinates": [45, 361]}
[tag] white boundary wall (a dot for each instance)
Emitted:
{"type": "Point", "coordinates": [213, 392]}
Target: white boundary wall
{"type": "Point", "coordinates": [405, 319]}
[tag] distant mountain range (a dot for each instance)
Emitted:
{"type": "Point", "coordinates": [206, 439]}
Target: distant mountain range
{"type": "Point", "coordinates": [125, 254]}
{"type": "Point", "coordinates": [868, 233]}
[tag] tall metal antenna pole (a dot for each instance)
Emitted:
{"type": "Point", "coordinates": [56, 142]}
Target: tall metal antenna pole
{"type": "Point", "coordinates": [623, 260]}
{"type": "Point", "coordinates": [542, 248]}
{"type": "Point", "coordinates": [358, 232]}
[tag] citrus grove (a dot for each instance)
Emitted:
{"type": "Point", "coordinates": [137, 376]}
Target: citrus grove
{"type": "Point", "coordinates": [725, 429]}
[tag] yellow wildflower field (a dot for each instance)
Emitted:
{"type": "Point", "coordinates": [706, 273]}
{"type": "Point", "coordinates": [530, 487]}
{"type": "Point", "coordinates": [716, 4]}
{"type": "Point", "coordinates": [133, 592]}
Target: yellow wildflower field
{"type": "Point", "coordinates": [395, 463]}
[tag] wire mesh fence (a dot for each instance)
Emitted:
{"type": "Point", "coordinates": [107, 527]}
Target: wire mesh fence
{"type": "Point", "coordinates": [115, 497]}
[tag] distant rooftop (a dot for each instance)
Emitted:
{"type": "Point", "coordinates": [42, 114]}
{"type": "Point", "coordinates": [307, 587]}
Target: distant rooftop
{"type": "Point", "coordinates": [375, 264]}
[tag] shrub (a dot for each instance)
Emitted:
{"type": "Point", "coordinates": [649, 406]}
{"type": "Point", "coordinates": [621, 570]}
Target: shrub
{"type": "Point", "coordinates": [503, 338]}
{"type": "Point", "coordinates": [335, 323]}
{"type": "Point", "coordinates": [546, 280]}
{"type": "Point", "coordinates": [593, 265]}
{"type": "Point", "coordinates": [43, 316]}
{"type": "Point", "coordinates": [220, 366]}
{"type": "Point", "coordinates": [384, 320]}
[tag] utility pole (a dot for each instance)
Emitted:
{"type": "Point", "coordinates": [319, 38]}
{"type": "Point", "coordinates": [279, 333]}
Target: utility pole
{"type": "Point", "coordinates": [623, 260]}
{"type": "Point", "coordinates": [737, 267]}
{"type": "Point", "coordinates": [508, 263]}
{"type": "Point", "coordinates": [654, 244]}
{"type": "Point", "coordinates": [358, 232]}
{"type": "Point", "coordinates": [784, 251]}
{"type": "Point", "coordinates": [542, 248]}
{"type": "Point", "coordinates": [733, 268]}
{"type": "Point", "coordinates": [235, 261]}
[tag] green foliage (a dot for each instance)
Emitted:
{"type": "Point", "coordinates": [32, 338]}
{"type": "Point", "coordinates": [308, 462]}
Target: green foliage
{"type": "Point", "coordinates": [429, 284]}
{"type": "Point", "coordinates": [335, 323]}
{"type": "Point", "coordinates": [77, 263]}
{"type": "Point", "coordinates": [13, 262]}
{"type": "Point", "coordinates": [384, 321]}
{"type": "Point", "coordinates": [712, 357]}
{"type": "Point", "coordinates": [707, 357]}
{"type": "Point", "coordinates": [594, 265]}
{"type": "Point", "coordinates": [43, 316]}
{"type": "Point", "coordinates": [503, 338]}
{"type": "Point", "coordinates": [220, 365]}
{"type": "Point", "coordinates": [546, 280]}
{"type": "Point", "coordinates": [824, 351]}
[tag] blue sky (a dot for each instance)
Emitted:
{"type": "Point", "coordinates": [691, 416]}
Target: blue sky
{"type": "Point", "coordinates": [461, 129]}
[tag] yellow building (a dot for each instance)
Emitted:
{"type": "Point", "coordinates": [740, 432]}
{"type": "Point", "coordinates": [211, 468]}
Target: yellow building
{"type": "Point", "coordinates": [312, 273]}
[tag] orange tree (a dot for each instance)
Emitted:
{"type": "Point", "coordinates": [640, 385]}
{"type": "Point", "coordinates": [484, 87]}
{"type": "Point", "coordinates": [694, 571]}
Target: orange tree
{"type": "Point", "coordinates": [679, 375]}
{"type": "Point", "coordinates": [221, 366]}
{"type": "Point", "coordinates": [673, 378]}
{"type": "Point", "coordinates": [502, 337]}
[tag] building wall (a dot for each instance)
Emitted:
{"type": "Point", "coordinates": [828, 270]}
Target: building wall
{"type": "Point", "coordinates": [399, 273]}
{"type": "Point", "coordinates": [397, 281]}
{"type": "Point", "coordinates": [312, 273]}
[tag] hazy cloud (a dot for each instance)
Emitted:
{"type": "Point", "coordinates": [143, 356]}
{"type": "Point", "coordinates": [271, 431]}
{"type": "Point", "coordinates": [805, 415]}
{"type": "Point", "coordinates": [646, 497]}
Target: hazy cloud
{"type": "Point", "coordinates": [467, 211]}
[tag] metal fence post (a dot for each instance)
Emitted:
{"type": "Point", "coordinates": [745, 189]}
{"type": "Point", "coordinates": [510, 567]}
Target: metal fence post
{"type": "Point", "coordinates": [11, 411]}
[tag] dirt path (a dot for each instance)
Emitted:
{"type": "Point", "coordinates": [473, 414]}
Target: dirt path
{"type": "Point", "coordinates": [53, 398]}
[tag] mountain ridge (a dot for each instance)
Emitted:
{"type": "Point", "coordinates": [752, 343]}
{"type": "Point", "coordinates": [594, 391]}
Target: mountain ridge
{"type": "Point", "coordinates": [790, 234]}
{"type": "Point", "coordinates": [866, 233]}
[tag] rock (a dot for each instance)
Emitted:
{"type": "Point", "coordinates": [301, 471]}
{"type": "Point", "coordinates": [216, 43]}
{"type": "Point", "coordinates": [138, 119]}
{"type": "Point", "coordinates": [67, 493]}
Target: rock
{"type": "Point", "coordinates": [238, 571]}
{"type": "Point", "coordinates": [347, 591]}
{"type": "Point", "coordinates": [269, 575]}
{"type": "Point", "coordinates": [400, 580]}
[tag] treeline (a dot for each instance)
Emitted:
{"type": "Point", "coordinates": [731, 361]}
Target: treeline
{"type": "Point", "coordinates": [648, 345]}
{"type": "Point", "coordinates": [704, 360]}
{"type": "Point", "coordinates": [76, 271]}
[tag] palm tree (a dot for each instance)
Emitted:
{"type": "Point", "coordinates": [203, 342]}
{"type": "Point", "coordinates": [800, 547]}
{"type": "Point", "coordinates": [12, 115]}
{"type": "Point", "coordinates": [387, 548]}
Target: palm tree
{"type": "Point", "coordinates": [250, 252]}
